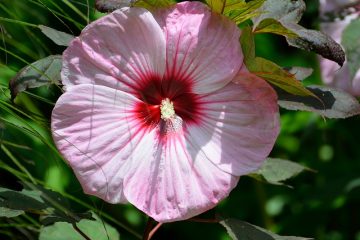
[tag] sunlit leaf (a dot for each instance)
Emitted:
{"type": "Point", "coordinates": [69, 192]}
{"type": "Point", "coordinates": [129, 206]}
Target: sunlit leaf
{"type": "Point", "coordinates": [268, 70]}
{"type": "Point", "coordinates": [240, 230]}
{"type": "Point", "coordinates": [330, 102]}
{"type": "Point", "coordinates": [275, 171]}
{"type": "Point", "coordinates": [315, 41]}
{"type": "Point", "coordinates": [237, 10]}
{"type": "Point", "coordinates": [219, 5]}
{"type": "Point", "coordinates": [283, 11]}
{"type": "Point", "coordinates": [58, 37]}
{"type": "Point", "coordinates": [351, 42]}
{"type": "Point", "coordinates": [9, 213]}
{"type": "Point", "coordinates": [43, 72]}
{"type": "Point", "coordinates": [300, 73]}
{"type": "Point", "coordinates": [275, 75]}
{"type": "Point", "coordinates": [289, 13]}
{"type": "Point", "coordinates": [111, 5]}
{"type": "Point", "coordinates": [270, 25]}
{"type": "Point", "coordinates": [93, 229]}
{"type": "Point", "coordinates": [153, 4]}
{"type": "Point", "coordinates": [242, 13]}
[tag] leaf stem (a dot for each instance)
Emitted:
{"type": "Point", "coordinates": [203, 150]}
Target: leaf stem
{"type": "Point", "coordinates": [149, 229]}
{"type": "Point", "coordinates": [80, 232]}
{"type": "Point", "coordinates": [261, 196]}
{"type": "Point", "coordinates": [153, 231]}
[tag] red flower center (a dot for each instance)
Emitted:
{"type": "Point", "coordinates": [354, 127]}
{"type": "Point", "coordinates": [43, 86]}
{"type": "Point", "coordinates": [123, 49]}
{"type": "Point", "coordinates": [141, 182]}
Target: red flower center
{"type": "Point", "coordinates": [154, 90]}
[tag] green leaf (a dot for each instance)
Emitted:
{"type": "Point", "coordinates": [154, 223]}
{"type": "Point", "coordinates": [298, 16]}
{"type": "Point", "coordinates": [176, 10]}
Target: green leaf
{"type": "Point", "coordinates": [243, 13]}
{"type": "Point", "coordinates": [277, 76]}
{"type": "Point", "coordinates": [43, 72]}
{"type": "Point", "coordinates": [247, 43]}
{"type": "Point", "coordinates": [9, 213]}
{"type": "Point", "coordinates": [112, 5]}
{"type": "Point", "coordinates": [315, 41]}
{"type": "Point", "coordinates": [93, 229]}
{"type": "Point", "coordinates": [289, 13]}
{"type": "Point", "coordinates": [24, 200]}
{"type": "Point", "coordinates": [58, 207]}
{"type": "Point", "coordinates": [270, 25]}
{"type": "Point", "coordinates": [58, 37]}
{"type": "Point", "coordinates": [52, 206]}
{"type": "Point", "coordinates": [219, 5]}
{"type": "Point", "coordinates": [283, 11]}
{"type": "Point", "coordinates": [275, 170]}
{"type": "Point", "coordinates": [153, 4]}
{"type": "Point", "coordinates": [330, 102]}
{"type": "Point", "coordinates": [268, 70]}
{"type": "Point", "coordinates": [237, 10]}
{"type": "Point", "coordinates": [351, 42]}
{"type": "Point", "coordinates": [240, 230]}
{"type": "Point", "coordinates": [300, 73]}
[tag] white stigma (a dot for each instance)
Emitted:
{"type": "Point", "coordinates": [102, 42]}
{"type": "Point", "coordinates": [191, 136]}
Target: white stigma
{"type": "Point", "coordinates": [167, 109]}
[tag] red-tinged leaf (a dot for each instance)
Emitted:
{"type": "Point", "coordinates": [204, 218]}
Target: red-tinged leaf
{"type": "Point", "coordinates": [277, 76]}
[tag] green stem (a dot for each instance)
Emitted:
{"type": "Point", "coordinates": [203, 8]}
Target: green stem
{"type": "Point", "coordinates": [18, 22]}
{"type": "Point", "coordinates": [17, 163]}
{"type": "Point", "coordinates": [261, 197]}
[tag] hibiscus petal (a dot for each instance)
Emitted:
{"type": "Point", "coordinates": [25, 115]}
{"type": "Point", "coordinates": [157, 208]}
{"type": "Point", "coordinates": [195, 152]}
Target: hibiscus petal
{"type": "Point", "coordinates": [118, 51]}
{"type": "Point", "coordinates": [239, 125]}
{"type": "Point", "coordinates": [96, 131]}
{"type": "Point", "coordinates": [169, 185]}
{"type": "Point", "coordinates": [201, 46]}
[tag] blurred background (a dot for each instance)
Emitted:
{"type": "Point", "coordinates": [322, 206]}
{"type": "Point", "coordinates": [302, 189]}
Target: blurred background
{"type": "Point", "coordinates": [324, 204]}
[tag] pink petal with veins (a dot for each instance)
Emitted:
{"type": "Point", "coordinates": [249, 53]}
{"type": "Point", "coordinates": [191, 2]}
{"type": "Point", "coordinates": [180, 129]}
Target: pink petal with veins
{"type": "Point", "coordinates": [200, 45]}
{"type": "Point", "coordinates": [119, 51]}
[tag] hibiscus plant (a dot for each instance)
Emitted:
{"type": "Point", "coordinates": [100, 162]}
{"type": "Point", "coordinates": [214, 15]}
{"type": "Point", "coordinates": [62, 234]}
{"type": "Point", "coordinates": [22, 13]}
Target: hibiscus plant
{"type": "Point", "coordinates": [163, 106]}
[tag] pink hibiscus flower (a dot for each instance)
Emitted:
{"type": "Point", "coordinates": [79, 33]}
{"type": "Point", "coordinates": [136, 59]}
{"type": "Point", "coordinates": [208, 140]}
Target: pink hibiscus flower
{"type": "Point", "coordinates": [151, 114]}
{"type": "Point", "coordinates": [331, 73]}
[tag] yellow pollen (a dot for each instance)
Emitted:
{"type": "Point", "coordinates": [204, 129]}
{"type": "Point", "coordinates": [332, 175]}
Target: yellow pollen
{"type": "Point", "coordinates": [167, 109]}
